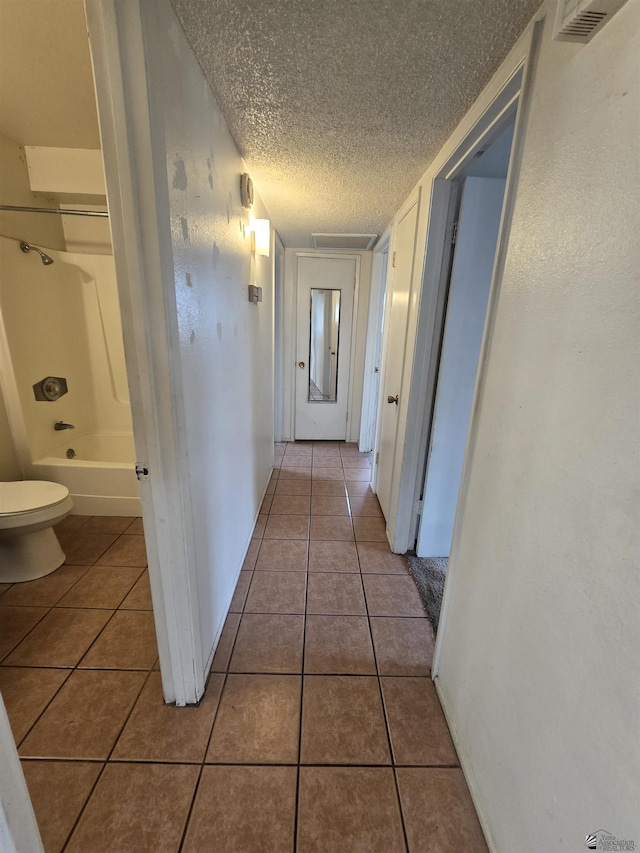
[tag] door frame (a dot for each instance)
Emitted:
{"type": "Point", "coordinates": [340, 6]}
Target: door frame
{"type": "Point", "coordinates": [415, 199]}
{"type": "Point", "coordinates": [373, 347]}
{"type": "Point", "coordinates": [134, 180]}
{"type": "Point", "coordinates": [278, 336]}
{"type": "Point", "coordinates": [512, 97]}
{"type": "Point", "coordinates": [291, 334]}
{"type": "Point", "coordinates": [488, 122]}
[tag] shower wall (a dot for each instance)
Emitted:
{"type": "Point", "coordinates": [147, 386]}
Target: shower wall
{"type": "Point", "coordinates": [9, 467]}
{"type": "Point", "coordinates": [61, 320]}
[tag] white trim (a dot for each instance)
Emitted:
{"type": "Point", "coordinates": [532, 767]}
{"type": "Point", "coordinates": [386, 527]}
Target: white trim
{"type": "Point", "coordinates": [278, 327]}
{"type": "Point", "coordinates": [431, 316]}
{"type": "Point", "coordinates": [528, 65]}
{"type": "Point", "coordinates": [483, 122]}
{"type": "Point", "coordinates": [465, 766]}
{"type": "Point", "coordinates": [135, 166]}
{"type": "Point", "coordinates": [415, 199]}
{"type": "Point", "coordinates": [288, 345]}
{"type": "Point", "coordinates": [379, 274]}
{"type": "Point", "coordinates": [18, 828]}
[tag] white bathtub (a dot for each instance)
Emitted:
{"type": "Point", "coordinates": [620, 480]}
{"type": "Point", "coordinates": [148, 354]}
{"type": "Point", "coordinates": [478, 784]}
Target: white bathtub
{"type": "Point", "coordinates": [101, 476]}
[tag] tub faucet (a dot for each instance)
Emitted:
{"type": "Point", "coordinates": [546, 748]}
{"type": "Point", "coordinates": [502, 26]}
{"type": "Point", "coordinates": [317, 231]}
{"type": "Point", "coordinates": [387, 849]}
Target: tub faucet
{"type": "Point", "coordinates": [61, 425]}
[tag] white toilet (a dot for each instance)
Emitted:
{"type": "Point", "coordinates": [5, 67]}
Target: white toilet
{"type": "Point", "coordinates": [29, 548]}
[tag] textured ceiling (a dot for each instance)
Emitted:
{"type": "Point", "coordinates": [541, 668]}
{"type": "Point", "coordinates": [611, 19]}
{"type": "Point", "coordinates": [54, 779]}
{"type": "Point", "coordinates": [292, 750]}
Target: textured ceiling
{"type": "Point", "coordinates": [338, 106]}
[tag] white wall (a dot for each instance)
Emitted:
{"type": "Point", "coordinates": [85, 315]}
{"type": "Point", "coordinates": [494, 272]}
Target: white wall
{"type": "Point", "coordinates": [538, 657]}
{"type": "Point", "coordinates": [223, 344]}
{"type": "Point", "coordinates": [361, 309]}
{"type": "Point", "coordinates": [475, 250]}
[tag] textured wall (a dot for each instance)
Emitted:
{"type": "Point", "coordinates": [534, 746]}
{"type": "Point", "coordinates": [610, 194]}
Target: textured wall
{"type": "Point", "coordinates": [223, 343]}
{"type": "Point", "coordinates": [337, 107]}
{"type": "Point", "coordinates": [539, 666]}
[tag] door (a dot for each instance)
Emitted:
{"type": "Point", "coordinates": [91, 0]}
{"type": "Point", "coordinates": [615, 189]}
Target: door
{"type": "Point", "coordinates": [325, 293]}
{"type": "Point", "coordinates": [396, 313]}
{"type": "Point", "coordinates": [470, 283]}
{"type": "Point", "coordinates": [373, 353]}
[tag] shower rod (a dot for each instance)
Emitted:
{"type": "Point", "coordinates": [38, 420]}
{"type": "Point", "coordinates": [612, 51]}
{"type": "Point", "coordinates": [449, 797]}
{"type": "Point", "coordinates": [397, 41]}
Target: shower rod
{"type": "Point", "coordinates": [59, 210]}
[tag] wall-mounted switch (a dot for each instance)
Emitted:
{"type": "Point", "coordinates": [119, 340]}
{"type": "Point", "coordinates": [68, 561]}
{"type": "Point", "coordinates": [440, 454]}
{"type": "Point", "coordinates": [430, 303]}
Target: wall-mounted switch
{"type": "Point", "coordinates": [255, 293]}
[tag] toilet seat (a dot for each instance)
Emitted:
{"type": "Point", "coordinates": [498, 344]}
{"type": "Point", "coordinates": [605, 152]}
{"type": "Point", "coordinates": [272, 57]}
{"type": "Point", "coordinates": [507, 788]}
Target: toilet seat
{"type": "Point", "coordinates": [32, 504]}
{"type": "Point", "coordinates": [26, 496]}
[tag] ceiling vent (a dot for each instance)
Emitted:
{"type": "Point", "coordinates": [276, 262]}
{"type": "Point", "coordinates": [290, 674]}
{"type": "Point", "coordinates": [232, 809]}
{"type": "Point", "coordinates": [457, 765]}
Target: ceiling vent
{"type": "Point", "coordinates": [355, 242]}
{"type": "Point", "coordinates": [580, 20]}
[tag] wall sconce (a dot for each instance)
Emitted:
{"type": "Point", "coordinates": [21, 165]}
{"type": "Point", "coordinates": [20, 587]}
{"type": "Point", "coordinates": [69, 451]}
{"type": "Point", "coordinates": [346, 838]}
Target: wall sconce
{"type": "Point", "coordinates": [261, 237]}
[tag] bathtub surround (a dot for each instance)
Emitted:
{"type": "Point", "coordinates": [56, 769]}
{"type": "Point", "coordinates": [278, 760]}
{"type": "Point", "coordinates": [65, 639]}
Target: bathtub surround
{"type": "Point", "coordinates": [64, 320]}
{"type": "Point", "coordinates": [9, 466]}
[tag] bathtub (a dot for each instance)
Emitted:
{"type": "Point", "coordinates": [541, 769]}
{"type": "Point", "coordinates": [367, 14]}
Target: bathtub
{"type": "Point", "coordinates": [100, 477]}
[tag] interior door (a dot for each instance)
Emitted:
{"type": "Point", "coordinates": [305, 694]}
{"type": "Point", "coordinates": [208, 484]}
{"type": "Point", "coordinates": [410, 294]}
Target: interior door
{"type": "Point", "coordinates": [325, 293]}
{"type": "Point", "coordinates": [395, 339]}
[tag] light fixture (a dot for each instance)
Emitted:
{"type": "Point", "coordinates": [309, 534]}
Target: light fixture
{"type": "Point", "coordinates": [261, 236]}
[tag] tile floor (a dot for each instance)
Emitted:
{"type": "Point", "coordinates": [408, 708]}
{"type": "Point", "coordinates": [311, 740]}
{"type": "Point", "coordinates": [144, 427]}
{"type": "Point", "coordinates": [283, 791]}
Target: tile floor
{"type": "Point", "coordinates": [320, 729]}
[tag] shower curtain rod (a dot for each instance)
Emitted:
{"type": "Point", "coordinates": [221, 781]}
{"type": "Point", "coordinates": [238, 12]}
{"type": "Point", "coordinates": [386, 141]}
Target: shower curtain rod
{"type": "Point", "coordinates": [58, 210]}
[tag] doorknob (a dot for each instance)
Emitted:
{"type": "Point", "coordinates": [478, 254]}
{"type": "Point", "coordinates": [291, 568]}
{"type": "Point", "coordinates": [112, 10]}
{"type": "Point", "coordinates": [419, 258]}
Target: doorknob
{"type": "Point", "coordinates": [391, 399]}
{"type": "Point", "coordinates": [301, 364]}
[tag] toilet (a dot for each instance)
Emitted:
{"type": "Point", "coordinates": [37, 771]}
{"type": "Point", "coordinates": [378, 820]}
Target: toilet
{"type": "Point", "coordinates": [29, 548]}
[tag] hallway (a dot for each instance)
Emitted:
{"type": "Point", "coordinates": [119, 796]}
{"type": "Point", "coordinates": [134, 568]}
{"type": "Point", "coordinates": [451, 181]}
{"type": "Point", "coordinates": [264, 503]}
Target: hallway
{"type": "Point", "coordinates": [320, 729]}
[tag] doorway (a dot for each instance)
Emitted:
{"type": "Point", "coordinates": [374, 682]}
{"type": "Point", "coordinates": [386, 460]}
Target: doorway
{"type": "Point", "coordinates": [478, 200]}
{"type": "Point", "coordinates": [373, 355]}
{"type": "Point", "coordinates": [325, 291]}
{"type": "Point", "coordinates": [478, 223]}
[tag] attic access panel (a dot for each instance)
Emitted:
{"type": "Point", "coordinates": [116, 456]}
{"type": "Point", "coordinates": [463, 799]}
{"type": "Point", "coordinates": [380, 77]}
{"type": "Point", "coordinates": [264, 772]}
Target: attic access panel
{"type": "Point", "coordinates": [355, 242]}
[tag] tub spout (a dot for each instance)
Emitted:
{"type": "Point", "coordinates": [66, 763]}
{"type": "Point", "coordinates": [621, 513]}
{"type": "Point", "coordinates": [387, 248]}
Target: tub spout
{"type": "Point", "coordinates": [61, 425]}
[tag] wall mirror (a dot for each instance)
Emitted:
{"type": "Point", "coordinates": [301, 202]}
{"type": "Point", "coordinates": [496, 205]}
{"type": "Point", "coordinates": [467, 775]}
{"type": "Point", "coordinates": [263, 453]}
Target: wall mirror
{"type": "Point", "coordinates": [324, 342]}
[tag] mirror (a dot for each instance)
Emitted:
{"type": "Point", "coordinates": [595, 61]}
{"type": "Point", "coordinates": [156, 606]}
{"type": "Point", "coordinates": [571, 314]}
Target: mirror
{"type": "Point", "coordinates": [323, 350]}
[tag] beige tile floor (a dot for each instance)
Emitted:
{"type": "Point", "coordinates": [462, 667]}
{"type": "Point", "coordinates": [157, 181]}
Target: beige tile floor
{"type": "Point", "coordinates": [320, 729]}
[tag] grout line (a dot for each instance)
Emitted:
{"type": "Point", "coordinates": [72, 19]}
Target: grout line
{"type": "Point", "coordinates": [106, 762]}
{"type": "Point", "coordinates": [38, 718]}
{"type": "Point", "coordinates": [192, 763]}
{"type": "Point", "coordinates": [206, 749]}
{"type": "Point", "coordinates": [24, 637]}
{"type": "Point", "coordinates": [84, 806]}
{"type": "Point", "coordinates": [386, 721]}
{"type": "Point", "coordinates": [302, 678]}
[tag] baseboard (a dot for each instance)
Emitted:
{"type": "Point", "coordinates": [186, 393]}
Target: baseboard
{"type": "Point", "coordinates": [104, 505]}
{"type": "Point", "coordinates": [214, 648]}
{"type": "Point", "coordinates": [466, 770]}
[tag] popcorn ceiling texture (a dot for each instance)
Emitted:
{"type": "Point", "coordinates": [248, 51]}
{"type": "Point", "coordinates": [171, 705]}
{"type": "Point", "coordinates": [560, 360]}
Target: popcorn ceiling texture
{"type": "Point", "coordinates": [338, 106]}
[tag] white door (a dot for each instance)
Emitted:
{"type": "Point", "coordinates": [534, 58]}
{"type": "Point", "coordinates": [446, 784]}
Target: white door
{"type": "Point", "coordinates": [325, 293]}
{"type": "Point", "coordinates": [470, 283]}
{"type": "Point", "coordinates": [396, 311]}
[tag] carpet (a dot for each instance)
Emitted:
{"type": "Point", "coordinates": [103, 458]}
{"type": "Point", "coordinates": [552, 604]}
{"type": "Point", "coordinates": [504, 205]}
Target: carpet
{"type": "Point", "coordinates": [429, 574]}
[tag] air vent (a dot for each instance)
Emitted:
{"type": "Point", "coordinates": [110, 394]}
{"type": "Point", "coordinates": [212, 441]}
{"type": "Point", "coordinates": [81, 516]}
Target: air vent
{"type": "Point", "coordinates": [580, 20]}
{"type": "Point", "coordinates": [355, 242]}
